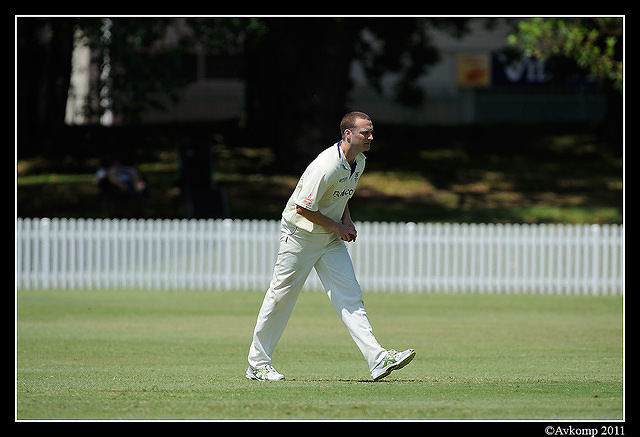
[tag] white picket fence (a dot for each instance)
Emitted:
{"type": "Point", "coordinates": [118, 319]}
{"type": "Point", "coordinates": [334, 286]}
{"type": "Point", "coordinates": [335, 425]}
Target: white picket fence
{"type": "Point", "coordinates": [394, 257]}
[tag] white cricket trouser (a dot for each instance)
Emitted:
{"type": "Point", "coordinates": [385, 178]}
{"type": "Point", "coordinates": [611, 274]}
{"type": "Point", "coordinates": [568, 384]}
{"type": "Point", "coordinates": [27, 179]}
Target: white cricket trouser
{"type": "Point", "coordinates": [300, 251]}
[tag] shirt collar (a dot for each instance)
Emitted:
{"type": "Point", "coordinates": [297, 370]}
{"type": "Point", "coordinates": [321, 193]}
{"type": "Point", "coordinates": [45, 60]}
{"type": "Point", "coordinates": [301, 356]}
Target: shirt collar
{"type": "Point", "coordinates": [343, 159]}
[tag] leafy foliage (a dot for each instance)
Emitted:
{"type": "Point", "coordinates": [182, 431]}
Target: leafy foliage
{"type": "Point", "coordinates": [595, 44]}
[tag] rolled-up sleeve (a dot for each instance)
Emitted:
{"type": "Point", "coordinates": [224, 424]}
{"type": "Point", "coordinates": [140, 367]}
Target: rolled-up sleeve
{"type": "Point", "coordinates": [313, 185]}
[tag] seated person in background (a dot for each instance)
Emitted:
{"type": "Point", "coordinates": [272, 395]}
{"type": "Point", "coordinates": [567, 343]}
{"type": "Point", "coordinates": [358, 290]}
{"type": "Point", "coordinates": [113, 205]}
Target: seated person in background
{"type": "Point", "coordinates": [118, 178]}
{"type": "Point", "coordinates": [123, 190]}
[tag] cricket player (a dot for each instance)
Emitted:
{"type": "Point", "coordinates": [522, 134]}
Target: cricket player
{"type": "Point", "coordinates": [315, 225]}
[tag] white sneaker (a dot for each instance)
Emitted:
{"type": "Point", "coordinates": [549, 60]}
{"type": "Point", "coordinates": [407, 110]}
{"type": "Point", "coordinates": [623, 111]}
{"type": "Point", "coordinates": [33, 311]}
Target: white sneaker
{"type": "Point", "coordinates": [392, 361]}
{"type": "Point", "coordinates": [263, 373]}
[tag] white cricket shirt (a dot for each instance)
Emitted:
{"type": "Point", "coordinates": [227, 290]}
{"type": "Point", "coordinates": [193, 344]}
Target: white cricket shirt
{"type": "Point", "coordinates": [326, 185]}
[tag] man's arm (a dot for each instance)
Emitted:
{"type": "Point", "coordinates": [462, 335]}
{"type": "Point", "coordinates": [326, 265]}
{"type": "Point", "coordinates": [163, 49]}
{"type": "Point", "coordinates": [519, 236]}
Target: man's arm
{"type": "Point", "coordinates": [345, 230]}
{"type": "Point", "coordinates": [346, 220]}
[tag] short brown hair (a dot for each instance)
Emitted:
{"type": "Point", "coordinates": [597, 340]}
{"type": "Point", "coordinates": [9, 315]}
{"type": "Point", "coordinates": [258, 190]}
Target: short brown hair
{"type": "Point", "coordinates": [349, 121]}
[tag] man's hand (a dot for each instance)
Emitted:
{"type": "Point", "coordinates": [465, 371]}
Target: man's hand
{"type": "Point", "coordinates": [346, 231]}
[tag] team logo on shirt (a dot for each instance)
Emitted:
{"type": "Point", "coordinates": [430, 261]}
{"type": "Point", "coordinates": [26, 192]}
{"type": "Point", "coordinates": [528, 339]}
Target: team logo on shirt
{"type": "Point", "coordinates": [346, 192]}
{"type": "Point", "coordinates": [356, 176]}
{"type": "Point", "coordinates": [308, 200]}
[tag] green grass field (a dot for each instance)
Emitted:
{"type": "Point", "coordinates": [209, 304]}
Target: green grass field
{"type": "Point", "coordinates": [146, 355]}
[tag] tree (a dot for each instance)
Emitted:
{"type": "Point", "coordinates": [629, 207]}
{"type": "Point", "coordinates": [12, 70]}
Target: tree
{"type": "Point", "coordinates": [140, 76]}
{"type": "Point", "coordinates": [43, 72]}
{"type": "Point", "coordinates": [297, 69]}
{"type": "Point", "coordinates": [593, 44]}
{"type": "Point", "coordinates": [141, 67]}
{"type": "Point", "coordinates": [298, 75]}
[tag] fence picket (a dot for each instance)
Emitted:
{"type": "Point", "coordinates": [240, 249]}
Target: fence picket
{"type": "Point", "coordinates": [240, 254]}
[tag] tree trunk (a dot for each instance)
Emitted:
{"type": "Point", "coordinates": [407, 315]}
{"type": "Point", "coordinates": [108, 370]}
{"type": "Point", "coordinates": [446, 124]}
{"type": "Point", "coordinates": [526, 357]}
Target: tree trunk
{"type": "Point", "coordinates": [297, 81]}
{"type": "Point", "coordinates": [45, 46]}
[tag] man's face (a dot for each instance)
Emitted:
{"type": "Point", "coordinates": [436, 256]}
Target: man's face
{"type": "Point", "coordinates": [362, 135]}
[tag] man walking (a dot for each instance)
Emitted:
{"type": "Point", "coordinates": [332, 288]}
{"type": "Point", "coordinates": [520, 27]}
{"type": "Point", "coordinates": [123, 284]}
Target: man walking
{"type": "Point", "coordinates": [315, 225]}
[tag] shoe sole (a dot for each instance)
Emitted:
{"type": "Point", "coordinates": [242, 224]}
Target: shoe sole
{"type": "Point", "coordinates": [398, 366]}
{"type": "Point", "coordinates": [255, 378]}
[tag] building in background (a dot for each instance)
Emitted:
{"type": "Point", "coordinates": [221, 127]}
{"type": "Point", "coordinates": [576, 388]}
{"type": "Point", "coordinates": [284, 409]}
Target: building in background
{"type": "Point", "coordinates": [472, 83]}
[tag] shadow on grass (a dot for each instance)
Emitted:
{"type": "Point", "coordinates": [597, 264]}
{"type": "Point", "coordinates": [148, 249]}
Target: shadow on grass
{"type": "Point", "coordinates": [519, 174]}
